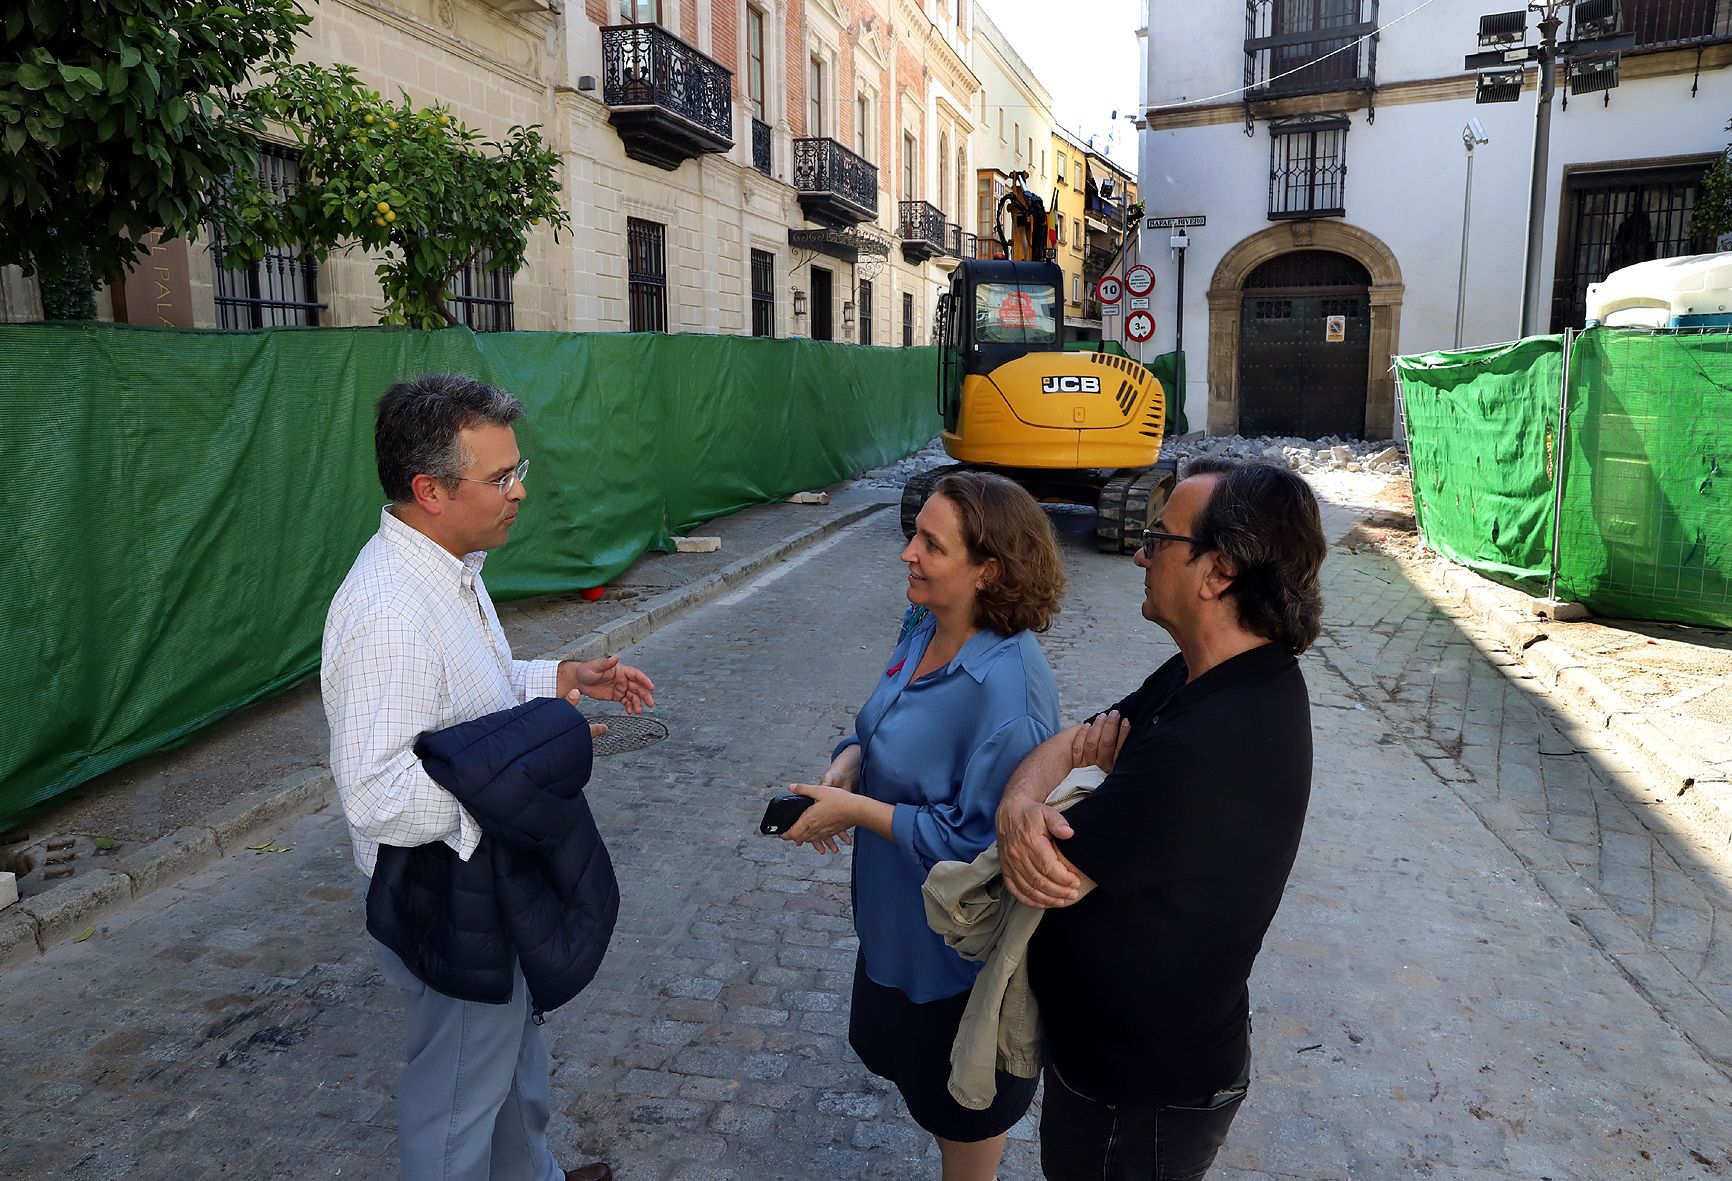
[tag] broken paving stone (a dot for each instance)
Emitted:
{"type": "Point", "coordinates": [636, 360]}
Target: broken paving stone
{"type": "Point", "coordinates": [809, 498]}
{"type": "Point", "coordinates": [697, 545]}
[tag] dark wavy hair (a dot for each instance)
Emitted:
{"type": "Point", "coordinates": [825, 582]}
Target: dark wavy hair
{"type": "Point", "coordinates": [1264, 519]}
{"type": "Point", "coordinates": [1001, 521]}
{"type": "Point", "coordinates": [415, 432]}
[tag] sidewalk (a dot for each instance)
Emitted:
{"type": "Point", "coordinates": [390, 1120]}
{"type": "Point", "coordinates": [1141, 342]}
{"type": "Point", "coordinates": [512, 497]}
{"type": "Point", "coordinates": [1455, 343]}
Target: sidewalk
{"type": "Point", "coordinates": [146, 825]}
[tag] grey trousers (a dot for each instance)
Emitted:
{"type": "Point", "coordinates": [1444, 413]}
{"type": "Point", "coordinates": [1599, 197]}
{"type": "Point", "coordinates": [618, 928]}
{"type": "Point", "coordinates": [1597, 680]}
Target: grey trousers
{"type": "Point", "coordinates": [472, 1102]}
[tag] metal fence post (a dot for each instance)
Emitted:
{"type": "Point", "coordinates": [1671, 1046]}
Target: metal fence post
{"type": "Point", "coordinates": [1558, 459]}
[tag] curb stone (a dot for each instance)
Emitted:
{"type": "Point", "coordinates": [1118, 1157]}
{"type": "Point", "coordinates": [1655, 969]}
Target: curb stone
{"type": "Point", "coordinates": [42, 921]}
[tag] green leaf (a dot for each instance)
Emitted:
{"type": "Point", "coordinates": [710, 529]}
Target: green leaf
{"type": "Point", "coordinates": [84, 934]}
{"type": "Point", "coordinates": [104, 843]}
{"type": "Point", "coordinates": [34, 77]}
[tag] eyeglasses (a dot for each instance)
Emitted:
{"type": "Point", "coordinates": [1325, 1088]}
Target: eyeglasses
{"type": "Point", "coordinates": [506, 482]}
{"type": "Point", "coordinates": [1154, 535]}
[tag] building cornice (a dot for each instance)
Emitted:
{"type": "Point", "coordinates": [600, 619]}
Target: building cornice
{"type": "Point", "coordinates": [535, 25]}
{"type": "Point", "coordinates": [937, 54]}
{"type": "Point", "coordinates": [1636, 67]}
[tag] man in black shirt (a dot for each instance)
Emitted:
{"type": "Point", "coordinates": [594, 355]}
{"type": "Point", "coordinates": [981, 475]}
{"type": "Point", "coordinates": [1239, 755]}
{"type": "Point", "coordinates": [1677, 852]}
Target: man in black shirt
{"type": "Point", "coordinates": [1162, 884]}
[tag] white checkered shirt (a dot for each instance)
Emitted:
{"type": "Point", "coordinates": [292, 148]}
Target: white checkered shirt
{"type": "Point", "coordinates": [412, 644]}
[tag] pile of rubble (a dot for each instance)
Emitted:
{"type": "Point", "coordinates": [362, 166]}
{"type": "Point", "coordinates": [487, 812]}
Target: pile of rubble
{"type": "Point", "coordinates": [1303, 455]}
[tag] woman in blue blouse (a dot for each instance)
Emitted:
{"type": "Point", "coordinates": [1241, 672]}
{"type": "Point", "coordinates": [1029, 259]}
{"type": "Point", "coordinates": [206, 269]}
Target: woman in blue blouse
{"type": "Point", "coordinates": [965, 695]}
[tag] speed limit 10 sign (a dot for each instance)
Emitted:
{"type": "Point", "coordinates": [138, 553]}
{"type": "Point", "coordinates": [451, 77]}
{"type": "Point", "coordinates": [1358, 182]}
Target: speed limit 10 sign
{"type": "Point", "coordinates": [1109, 289]}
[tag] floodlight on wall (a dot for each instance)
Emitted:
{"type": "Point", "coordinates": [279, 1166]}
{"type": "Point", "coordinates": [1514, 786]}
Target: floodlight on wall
{"type": "Point", "coordinates": [1499, 86]}
{"type": "Point", "coordinates": [1503, 28]}
{"type": "Point", "coordinates": [799, 302]}
{"type": "Point", "coordinates": [1595, 18]}
{"type": "Point", "coordinates": [1590, 75]}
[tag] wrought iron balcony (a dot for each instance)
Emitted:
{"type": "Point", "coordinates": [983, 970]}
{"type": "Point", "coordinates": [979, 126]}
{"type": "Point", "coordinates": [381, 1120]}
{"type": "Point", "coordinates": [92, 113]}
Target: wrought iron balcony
{"type": "Point", "coordinates": [836, 187]}
{"type": "Point", "coordinates": [761, 146]}
{"type": "Point", "coordinates": [669, 102]}
{"type": "Point", "coordinates": [1293, 49]}
{"type": "Point", "coordinates": [1669, 24]}
{"type": "Point", "coordinates": [923, 231]}
{"type": "Point", "coordinates": [958, 242]}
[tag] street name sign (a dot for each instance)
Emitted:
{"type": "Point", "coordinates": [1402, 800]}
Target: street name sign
{"type": "Point", "coordinates": [1183, 222]}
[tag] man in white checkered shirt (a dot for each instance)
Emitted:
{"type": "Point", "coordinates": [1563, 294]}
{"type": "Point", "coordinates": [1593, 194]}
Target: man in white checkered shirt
{"type": "Point", "coordinates": [412, 644]}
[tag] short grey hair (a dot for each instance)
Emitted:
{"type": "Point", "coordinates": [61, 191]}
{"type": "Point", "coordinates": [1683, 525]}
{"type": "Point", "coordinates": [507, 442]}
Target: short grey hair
{"type": "Point", "coordinates": [419, 419]}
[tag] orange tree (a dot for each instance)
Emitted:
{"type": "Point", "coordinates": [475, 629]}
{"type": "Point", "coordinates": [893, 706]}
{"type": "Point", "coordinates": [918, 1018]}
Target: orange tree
{"type": "Point", "coordinates": [116, 119]}
{"type": "Point", "coordinates": [412, 184]}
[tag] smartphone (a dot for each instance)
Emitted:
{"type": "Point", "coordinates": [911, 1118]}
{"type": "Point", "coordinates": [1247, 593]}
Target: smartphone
{"type": "Point", "coordinates": [783, 812]}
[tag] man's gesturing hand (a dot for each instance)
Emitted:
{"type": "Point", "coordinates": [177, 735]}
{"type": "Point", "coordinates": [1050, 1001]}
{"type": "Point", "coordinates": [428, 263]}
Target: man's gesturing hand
{"type": "Point", "coordinates": [1034, 872]}
{"type": "Point", "coordinates": [606, 679]}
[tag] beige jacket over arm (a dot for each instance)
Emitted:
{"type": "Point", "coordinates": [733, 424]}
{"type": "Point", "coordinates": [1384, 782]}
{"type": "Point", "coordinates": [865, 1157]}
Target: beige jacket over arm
{"type": "Point", "coordinates": [967, 904]}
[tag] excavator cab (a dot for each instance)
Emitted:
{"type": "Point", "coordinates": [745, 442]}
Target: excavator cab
{"type": "Point", "coordinates": [995, 312]}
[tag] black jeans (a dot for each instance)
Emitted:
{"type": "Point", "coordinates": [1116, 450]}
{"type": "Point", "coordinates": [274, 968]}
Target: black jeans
{"type": "Point", "coordinates": [1082, 1139]}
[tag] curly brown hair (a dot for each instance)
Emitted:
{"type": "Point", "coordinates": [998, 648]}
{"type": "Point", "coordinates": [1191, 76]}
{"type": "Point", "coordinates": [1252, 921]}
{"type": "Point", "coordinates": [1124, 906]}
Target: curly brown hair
{"type": "Point", "coordinates": [1001, 521]}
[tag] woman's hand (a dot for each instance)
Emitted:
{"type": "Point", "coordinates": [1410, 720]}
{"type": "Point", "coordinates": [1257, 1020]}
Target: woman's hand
{"type": "Point", "coordinates": [825, 824]}
{"type": "Point", "coordinates": [844, 770]}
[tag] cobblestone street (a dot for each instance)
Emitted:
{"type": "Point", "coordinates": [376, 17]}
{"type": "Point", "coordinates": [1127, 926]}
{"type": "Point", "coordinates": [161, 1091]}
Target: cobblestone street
{"type": "Point", "coordinates": [1488, 963]}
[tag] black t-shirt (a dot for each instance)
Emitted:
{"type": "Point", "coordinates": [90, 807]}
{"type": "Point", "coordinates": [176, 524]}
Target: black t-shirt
{"type": "Point", "coordinates": [1142, 984]}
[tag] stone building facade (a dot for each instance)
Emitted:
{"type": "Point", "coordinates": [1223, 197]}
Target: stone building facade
{"type": "Point", "coordinates": [779, 167]}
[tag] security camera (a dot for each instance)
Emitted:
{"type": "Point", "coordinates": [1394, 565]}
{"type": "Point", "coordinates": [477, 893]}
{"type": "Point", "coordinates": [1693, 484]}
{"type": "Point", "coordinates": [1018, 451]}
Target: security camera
{"type": "Point", "coordinates": [1474, 133]}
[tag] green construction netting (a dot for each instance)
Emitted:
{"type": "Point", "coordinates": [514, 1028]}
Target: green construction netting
{"type": "Point", "coordinates": [1645, 529]}
{"type": "Point", "coordinates": [180, 505]}
{"type": "Point", "coordinates": [1647, 506]}
{"type": "Point", "coordinates": [1481, 434]}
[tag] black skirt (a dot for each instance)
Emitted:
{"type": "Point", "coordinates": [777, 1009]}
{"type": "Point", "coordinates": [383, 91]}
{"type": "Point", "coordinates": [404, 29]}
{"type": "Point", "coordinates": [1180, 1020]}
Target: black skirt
{"type": "Point", "coordinates": [909, 1044]}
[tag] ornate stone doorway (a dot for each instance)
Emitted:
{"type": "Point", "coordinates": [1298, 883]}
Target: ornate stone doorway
{"type": "Point", "coordinates": [1226, 315]}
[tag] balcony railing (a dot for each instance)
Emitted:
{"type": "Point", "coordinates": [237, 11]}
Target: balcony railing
{"type": "Point", "coordinates": [761, 146]}
{"type": "Point", "coordinates": [1668, 24]}
{"type": "Point", "coordinates": [836, 187]}
{"type": "Point", "coordinates": [958, 242]}
{"type": "Point", "coordinates": [669, 102]}
{"type": "Point", "coordinates": [1295, 49]}
{"type": "Point", "coordinates": [922, 231]}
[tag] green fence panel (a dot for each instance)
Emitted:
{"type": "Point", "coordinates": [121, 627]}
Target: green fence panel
{"type": "Point", "coordinates": [181, 505]}
{"type": "Point", "coordinates": [1647, 504]}
{"type": "Point", "coordinates": [1481, 435]}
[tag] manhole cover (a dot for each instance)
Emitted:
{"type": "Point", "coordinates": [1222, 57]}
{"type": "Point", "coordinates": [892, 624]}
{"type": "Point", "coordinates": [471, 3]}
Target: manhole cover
{"type": "Point", "coordinates": [627, 732]}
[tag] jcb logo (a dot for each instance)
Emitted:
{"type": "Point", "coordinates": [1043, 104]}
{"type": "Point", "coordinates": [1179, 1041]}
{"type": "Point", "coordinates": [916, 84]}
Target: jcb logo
{"type": "Point", "coordinates": [1070, 385]}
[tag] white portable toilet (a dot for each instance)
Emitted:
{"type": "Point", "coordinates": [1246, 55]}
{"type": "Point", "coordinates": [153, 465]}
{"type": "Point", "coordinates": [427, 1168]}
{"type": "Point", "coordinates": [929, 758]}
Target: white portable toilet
{"type": "Point", "coordinates": [1691, 291]}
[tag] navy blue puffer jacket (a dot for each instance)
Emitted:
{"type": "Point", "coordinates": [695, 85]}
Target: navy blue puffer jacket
{"type": "Point", "coordinates": [540, 888]}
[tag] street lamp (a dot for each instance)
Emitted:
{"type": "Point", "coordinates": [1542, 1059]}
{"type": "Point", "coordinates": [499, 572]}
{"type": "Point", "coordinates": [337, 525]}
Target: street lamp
{"type": "Point", "coordinates": [1591, 60]}
{"type": "Point", "coordinates": [1472, 134]}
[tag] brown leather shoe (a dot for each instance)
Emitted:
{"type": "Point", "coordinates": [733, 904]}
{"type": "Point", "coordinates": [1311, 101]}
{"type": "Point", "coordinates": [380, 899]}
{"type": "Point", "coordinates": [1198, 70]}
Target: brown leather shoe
{"type": "Point", "coordinates": [596, 1172]}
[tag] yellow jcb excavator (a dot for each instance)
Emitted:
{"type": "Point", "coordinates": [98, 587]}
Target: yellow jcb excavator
{"type": "Point", "coordinates": [1077, 427]}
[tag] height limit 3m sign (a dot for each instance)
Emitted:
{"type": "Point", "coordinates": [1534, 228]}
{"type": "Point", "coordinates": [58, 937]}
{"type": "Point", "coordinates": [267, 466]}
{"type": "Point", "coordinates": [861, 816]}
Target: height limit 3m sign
{"type": "Point", "coordinates": [1139, 326]}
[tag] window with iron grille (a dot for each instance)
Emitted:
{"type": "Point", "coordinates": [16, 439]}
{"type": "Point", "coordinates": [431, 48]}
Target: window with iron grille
{"type": "Point", "coordinates": [1308, 168]}
{"type": "Point", "coordinates": [1617, 219]}
{"type": "Point", "coordinates": [647, 273]}
{"type": "Point", "coordinates": [907, 319]}
{"type": "Point", "coordinates": [910, 158]}
{"type": "Point", "coordinates": [481, 295]}
{"type": "Point", "coordinates": [865, 311]}
{"type": "Point", "coordinates": [763, 293]}
{"type": "Point", "coordinates": [282, 287]}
